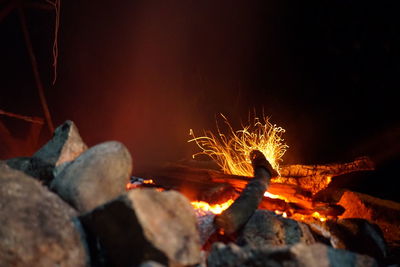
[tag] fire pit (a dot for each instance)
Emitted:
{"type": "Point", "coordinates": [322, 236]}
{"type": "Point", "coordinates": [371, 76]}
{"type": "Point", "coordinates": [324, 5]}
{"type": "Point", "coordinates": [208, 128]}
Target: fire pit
{"type": "Point", "coordinates": [71, 205]}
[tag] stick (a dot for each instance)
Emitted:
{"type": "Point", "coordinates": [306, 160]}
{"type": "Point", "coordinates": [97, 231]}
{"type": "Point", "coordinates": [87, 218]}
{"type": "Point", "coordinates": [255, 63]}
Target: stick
{"type": "Point", "coordinates": [35, 69]}
{"type": "Point", "coordinates": [233, 218]}
{"type": "Point", "coordinates": [22, 117]}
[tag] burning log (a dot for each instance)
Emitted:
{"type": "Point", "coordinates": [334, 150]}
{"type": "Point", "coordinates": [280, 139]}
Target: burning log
{"type": "Point", "coordinates": [214, 187]}
{"type": "Point", "coordinates": [290, 183]}
{"type": "Point", "coordinates": [314, 178]}
{"type": "Point", "coordinates": [244, 206]}
{"type": "Point", "coordinates": [333, 169]}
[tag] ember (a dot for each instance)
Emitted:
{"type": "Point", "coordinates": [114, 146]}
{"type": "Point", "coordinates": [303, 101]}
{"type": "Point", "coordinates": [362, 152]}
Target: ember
{"type": "Point", "coordinates": [216, 208]}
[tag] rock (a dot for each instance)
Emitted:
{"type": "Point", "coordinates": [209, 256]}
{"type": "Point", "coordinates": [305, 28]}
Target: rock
{"type": "Point", "coordinates": [34, 167]}
{"type": "Point", "coordinates": [66, 145]}
{"type": "Point", "coordinates": [151, 264]}
{"type": "Point", "coordinates": [95, 177]}
{"type": "Point", "coordinates": [36, 227]}
{"type": "Point", "coordinates": [320, 255]}
{"type": "Point", "coordinates": [142, 225]}
{"type": "Point", "coordinates": [206, 225]}
{"type": "Point", "coordinates": [358, 235]}
{"type": "Point", "coordinates": [265, 228]}
{"type": "Point", "coordinates": [298, 255]}
{"type": "Point", "coordinates": [231, 255]}
{"type": "Point", "coordinates": [384, 213]}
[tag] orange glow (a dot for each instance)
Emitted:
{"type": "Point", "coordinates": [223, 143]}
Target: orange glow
{"type": "Point", "coordinates": [270, 195]}
{"type": "Point", "coordinates": [130, 186]}
{"type": "Point", "coordinates": [231, 150]}
{"type": "Point", "coordinates": [216, 208]}
{"type": "Point", "coordinates": [318, 216]}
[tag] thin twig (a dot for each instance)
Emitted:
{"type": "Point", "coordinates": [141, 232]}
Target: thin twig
{"type": "Point", "coordinates": [35, 69]}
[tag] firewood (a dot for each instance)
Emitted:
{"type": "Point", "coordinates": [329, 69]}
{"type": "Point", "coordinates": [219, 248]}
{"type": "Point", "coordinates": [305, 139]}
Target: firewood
{"type": "Point", "coordinates": [302, 181]}
{"type": "Point", "coordinates": [233, 218]}
{"type": "Point", "coordinates": [333, 169]}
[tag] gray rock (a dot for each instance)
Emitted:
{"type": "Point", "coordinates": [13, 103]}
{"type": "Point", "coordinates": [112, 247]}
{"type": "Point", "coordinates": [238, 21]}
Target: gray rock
{"type": "Point", "coordinates": [231, 255]}
{"type": "Point", "coordinates": [34, 167]}
{"type": "Point", "coordinates": [359, 235]}
{"type": "Point", "coordinates": [66, 145]}
{"type": "Point", "coordinates": [265, 228]}
{"type": "Point", "coordinates": [145, 224]}
{"type": "Point", "coordinates": [151, 264]}
{"type": "Point", "coordinates": [95, 177]}
{"type": "Point", "coordinates": [36, 227]}
{"type": "Point", "coordinates": [299, 255]}
{"type": "Point", "coordinates": [320, 255]}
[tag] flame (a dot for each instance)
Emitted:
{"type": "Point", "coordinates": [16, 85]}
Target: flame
{"type": "Point", "coordinates": [318, 216]}
{"type": "Point", "coordinates": [216, 208]}
{"type": "Point", "coordinates": [270, 195]}
{"type": "Point", "coordinates": [231, 150]}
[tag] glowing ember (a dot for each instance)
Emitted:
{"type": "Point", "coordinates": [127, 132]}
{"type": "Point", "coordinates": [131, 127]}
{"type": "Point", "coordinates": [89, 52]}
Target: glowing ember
{"type": "Point", "coordinates": [139, 183]}
{"type": "Point", "coordinates": [318, 216]}
{"type": "Point", "coordinates": [268, 194]}
{"type": "Point", "coordinates": [216, 208]}
{"type": "Point", "coordinates": [231, 150]}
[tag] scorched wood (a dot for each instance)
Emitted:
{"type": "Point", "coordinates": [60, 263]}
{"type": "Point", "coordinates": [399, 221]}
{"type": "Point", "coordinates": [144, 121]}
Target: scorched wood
{"type": "Point", "coordinates": [233, 218]}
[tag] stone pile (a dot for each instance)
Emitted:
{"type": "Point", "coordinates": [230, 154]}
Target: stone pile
{"type": "Point", "coordinates": [67, 206]}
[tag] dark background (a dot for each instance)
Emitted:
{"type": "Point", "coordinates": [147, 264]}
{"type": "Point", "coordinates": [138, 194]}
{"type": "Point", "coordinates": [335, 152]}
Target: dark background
{"type": "Point", "coordinates": [145, 72]}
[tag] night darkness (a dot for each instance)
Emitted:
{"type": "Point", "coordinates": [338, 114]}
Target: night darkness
{"type": "Point", "coordinates": [145, 72]}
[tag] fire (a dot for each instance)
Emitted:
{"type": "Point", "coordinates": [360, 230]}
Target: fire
{"type": "Point", "coordinates": [216, 208]}
{"type": "Point", "coordinates": [268, 194]}
{"type": "Point", "coordinates": [318, 216]}
{"type": "Point", "coordinates": [231, 150]}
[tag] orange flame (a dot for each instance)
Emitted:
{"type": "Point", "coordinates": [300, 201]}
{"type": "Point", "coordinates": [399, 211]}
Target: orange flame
{"type": "Point", "coordinates": [216, 208]}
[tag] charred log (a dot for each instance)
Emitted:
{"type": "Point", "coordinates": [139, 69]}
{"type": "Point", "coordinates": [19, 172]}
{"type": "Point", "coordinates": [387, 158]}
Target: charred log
{"type": "Point", "coordinates": [295, 181]}
{"type": "Point", "coordinates": [233, 218]}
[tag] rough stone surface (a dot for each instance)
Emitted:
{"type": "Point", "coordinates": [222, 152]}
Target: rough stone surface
{"type": "Point", "coordinates": [151, 264]}
{"type": "Point", "coordinates": [36, 227]}
{"type": "Point", "coordinates": [66, 145]}
{"type": "Point", "coordinates": [95, 177]}
{"type": "Point", "coordinates": [34, 167]}
{"type": "Point", "coordinates": [145, 224]}
{"type": "Point", "coordinates": [265, 228]}
{"type": "Point", "coordinates": [231, 255]}
{"type": "Point", "coordinates": [384, 213]}
{"type": "Point", "coordinates": [299, 255]}
{"type": "Point", "coordinates": [358, 235]}
{"type": "Point", "coordinates": [320, 255]}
